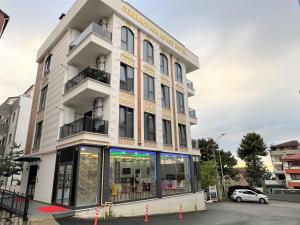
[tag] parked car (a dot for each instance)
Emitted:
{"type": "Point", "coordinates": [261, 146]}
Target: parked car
{"type": "Point", "coordinates": [246, 195]}
{"type": "Point", "coordinates": [231, 189]}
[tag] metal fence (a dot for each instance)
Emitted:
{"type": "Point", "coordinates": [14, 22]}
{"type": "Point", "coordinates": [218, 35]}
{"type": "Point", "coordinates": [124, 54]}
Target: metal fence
{"type": "Point", "coordinates": [13, 207]}
{"type": "Point", "coordinates": [290, 195]}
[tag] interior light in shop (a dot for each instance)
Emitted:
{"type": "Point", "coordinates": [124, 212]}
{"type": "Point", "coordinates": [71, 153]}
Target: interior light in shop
{"type": "Point", "coordinates": [85, 153]}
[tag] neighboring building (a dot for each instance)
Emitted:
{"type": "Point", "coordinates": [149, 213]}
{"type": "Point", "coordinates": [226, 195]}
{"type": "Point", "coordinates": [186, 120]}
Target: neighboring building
{"type": "Point", "coordinates": [14, 122]}
{"type": "Point", "coordinates": [4, 18]}
{"type": "Point", "coordinates": [110, 120]}
{"type": "Point", "coordinates": [278, 152]}
{"type": "Point", "coordinates": [291, 167]}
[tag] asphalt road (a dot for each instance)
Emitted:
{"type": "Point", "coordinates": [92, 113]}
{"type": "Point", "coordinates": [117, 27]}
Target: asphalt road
{"type": "Point", "coordinates": [229, 213]}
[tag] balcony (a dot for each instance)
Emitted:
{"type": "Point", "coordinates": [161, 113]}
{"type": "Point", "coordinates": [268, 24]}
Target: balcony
{"type": "Point", "coordinates": [89, 84]}
{"type": "Point", "coordinates": [193, 116]}
{"type": "Point", "coordinates": [86, 124]}
{"type": "Point", "coordinates": [190, 88]}
{"type": "Point", "coordinates": [92, 42]}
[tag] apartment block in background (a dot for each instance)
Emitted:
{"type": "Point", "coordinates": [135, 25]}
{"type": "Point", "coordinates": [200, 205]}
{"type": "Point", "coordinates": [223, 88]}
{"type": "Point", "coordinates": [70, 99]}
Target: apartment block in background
{"type": "Point", "coordinates": [111, 120]}
{"type": "Point", "coordinates": [4, 18]}
{"type": "Point", "coordinates": [14, 122]}
{"type": "Point", "coordinates": [278, 153]}
{"type": "Point", "coordinates": [291, 165]}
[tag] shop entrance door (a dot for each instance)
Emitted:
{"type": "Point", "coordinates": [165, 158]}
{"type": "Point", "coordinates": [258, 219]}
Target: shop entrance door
{"type": "Point", "coordinates": [31, 181]}
{"type": "Point", "coordinates": [64, 184]}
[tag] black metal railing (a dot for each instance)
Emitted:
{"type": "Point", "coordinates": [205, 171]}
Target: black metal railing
{"type": "Point", "coordinates": [192, 113]}
{"type": "Point", "coordinates": [14, 205]}
{"type": "Point", "coordinates": [88, 124]}
{"type": "Point", "coordinates": [93, 28]}
{"type": "Point", "coordinates": [91, 73]}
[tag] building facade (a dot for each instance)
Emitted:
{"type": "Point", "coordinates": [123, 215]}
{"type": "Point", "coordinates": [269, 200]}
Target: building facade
{"type": "Point", "coordinates": [110, 120]}
{"type": "Point", "coordinates": [14, 122]}
{"type": "Point", "coordinates": [278, 153]}
{"type": "Point", "coordinates": [4, 18]}
{"type": "Point", "coordinates": [291, 165]}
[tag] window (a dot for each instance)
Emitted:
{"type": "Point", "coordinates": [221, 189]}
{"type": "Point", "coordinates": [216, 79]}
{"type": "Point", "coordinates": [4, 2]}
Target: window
{"type": "Point", "coordinates": [148, 52]}
{"type": "Point", "coordinates": [13, 117]}
{"type": "Point", "coordinates": [295, 176]}
{"type": "Point", "coordinates": [164, 66]}
{"type": "Point", "coordinates": [149, 127]}
{"type": "Point", "coordinates": [132, 174]}
{"type": "Point", "coordinates": [165, 96]}
{"type": "Point", "coordinates": [9, 138]}
{"type": "Point", "coordinates": [182, 135]}
{"type": "Point", "coordinates": [149, 89]}
{"type": "Point", "coordinates": [180, 102]}
{"type": "Point", "coordinates": [127, 78]}
{"type": "Point", "coordinates": [43, 98]}
{"type": "Point", "coordinates": [38, 134]}
{"type": "Point", "coordinates": [47, 64]}
{"type": "Point", "coordinates": [197, 173]}
{"type": "Point", "coordinates": [126, 122]}
{"type": "Point", "coordinates": [178, 72]}
{"type": "Point", "coordinates": [127, 40]}
{"type": "Point", "coordinates": [167, 132]}
{"type": "Point", "coordinates": [175, 173]}
{"type": "Point", "coordinates": [88, 176]}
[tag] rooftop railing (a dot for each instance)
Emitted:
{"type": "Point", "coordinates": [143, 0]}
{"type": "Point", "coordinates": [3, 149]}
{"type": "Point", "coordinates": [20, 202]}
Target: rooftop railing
{"type": "Point", "coordinates": [91, 73]}
{"type": "Point", "coordinates": [87, 124]}
{"type": "Point", "coordinates": [93, 28]}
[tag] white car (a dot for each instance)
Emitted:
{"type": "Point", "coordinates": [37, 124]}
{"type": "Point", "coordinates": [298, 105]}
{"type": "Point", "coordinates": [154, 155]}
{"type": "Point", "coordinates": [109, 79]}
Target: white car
{"type": "Point", "coordinates": [246, 195]}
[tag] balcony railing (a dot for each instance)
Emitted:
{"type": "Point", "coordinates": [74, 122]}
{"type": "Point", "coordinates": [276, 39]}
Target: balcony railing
{"type": "Point", "coordinates": [190, 84]}
{"type": "Point", "coordinates": [192, 113]}
{"type": "Point", "coordinates": [93, 28]}
{"type": "Point", "coordinates": [88, 124]}
{"type": "Point", "coordinates": [91, 73]}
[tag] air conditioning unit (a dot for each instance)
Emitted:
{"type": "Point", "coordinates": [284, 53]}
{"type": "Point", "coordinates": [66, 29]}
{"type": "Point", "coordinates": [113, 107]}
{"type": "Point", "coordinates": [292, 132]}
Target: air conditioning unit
{"type": "Point", "coordinates": [97, 111]}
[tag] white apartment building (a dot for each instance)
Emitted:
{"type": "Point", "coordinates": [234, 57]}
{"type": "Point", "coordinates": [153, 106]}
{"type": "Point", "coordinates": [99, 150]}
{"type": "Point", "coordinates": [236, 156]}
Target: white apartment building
{"type": "Point", "coordinates": [278, 153]}
{"type": "Point", "coordinates": [110, 120]}
{"type": "Point", "coordinates": [14, 122]}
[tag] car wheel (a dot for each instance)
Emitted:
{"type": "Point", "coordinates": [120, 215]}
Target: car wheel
{"type": "Point", "coordinates": [262, 201]}
{"type": "Point", "coordinates": [239, 199]}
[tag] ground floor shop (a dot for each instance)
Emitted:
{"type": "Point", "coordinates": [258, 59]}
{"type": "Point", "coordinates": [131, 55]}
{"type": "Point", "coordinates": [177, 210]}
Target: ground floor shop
{"type": "Point", "coordinates": [85, 176]}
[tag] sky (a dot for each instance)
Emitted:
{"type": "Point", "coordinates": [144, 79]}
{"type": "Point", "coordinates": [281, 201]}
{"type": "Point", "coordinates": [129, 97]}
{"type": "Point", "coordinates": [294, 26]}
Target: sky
{"type": "Point", "coordinates": [249, 52]}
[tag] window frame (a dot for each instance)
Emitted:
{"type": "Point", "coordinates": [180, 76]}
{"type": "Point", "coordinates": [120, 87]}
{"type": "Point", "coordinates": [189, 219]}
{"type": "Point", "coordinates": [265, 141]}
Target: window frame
{"type": "Point", "coordinates": [43, 98]}
{"type": "Point", "coordinates": [125, 43]}
{"type": "Point", "coordinates": [182, 136]}
{"type": "Point", "coordinates": [167, 132]}
{"type": "Point", "coordinates": [180, 102]}
{"type": "Point", "coordinates": [148, 48]}
{"type": "Point", "coordinates": [47, 64]}
{"type": "Point", "coordinates": [127, 130]}
{"type": "Point", "coordinates": [178, 72]}
{"type": "Point", "coordinates": [38, 134]}
{"type": "Point", "coordinates": [164, 64]}
{"type": "Point", "coordinates": [149, 94]}
{"type": "Point", "coordinates": [149, 134]}
{"type": "Point", "coordinates": [165, 96]}
{"type": "Point", "coordinates": [125, 85]}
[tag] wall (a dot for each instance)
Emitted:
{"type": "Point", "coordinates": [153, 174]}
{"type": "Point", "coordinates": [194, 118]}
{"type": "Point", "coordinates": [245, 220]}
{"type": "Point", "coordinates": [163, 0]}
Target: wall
{"type": "Point", "coordinates": [190, 203]}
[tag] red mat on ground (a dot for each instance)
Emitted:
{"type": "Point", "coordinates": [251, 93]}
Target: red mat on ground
{"type": "Point", "coordinates": [51, 208]}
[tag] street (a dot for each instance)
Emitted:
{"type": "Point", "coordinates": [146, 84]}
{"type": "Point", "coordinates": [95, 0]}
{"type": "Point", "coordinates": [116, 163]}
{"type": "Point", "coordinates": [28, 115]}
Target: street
{"type": "Point", "coordinates": [229, 213]}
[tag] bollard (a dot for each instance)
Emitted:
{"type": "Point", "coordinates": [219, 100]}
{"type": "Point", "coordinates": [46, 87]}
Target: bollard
{"type": "Point", "coordinates": [180, 212]}
{"type": "Point", "coordinates": [146, 214]}
{"type": "Point", "coordinates": [96, 216]}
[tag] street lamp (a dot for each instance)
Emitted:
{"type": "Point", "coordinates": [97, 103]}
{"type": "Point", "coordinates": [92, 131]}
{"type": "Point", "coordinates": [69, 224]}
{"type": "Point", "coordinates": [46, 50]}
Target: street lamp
{"type": "Point", "coordinates": [220, 160]}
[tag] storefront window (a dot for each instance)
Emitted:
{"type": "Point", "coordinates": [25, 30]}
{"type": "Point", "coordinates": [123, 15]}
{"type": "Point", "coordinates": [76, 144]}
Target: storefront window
{"type": "Point", "coordinates": [197, 172]}
{"type": "Point", "coordinates": [88, 183]}
{"type": "Point", "coordinates": [132, 175]}
{"type": "Point", "coordinates": [175, 174]}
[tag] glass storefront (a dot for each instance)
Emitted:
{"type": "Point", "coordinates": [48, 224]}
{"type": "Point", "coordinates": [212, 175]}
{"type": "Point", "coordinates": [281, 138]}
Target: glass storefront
{"type": "Point", "coordinates": [197, 174]}
{"type": "Point", "coordinates": [175, 174]}
{"type": "Point", "coordinates": [132, 175]}
{"type": "Point", "coordinates": [88, 176]}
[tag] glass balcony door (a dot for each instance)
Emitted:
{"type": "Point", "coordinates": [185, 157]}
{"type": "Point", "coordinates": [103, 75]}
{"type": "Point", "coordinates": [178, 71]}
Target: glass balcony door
{"type": "Point", "coordinates": [64, 184]}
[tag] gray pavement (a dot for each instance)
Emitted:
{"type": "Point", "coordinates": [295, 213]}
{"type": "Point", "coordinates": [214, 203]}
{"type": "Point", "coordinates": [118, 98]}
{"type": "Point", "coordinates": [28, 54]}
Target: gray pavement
{"type": "Point", "coordinates": [229, 213]}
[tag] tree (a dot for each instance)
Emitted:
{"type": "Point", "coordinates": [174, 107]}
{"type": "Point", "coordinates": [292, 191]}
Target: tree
{"type": "Point", "coordinates": [228, 164]}
{"type": "Point", "coordinates": [9, 166]}
{"type": "Point", "coordinates": [251, 149]}
{"type": "Point", "coordinates": [208, 173]}
{"type": "Point", "coordinates": [207, 148]}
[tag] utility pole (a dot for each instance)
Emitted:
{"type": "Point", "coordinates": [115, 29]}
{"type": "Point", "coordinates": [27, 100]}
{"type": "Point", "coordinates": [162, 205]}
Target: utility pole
{"type": "Point", "coordinates": [221, 164]}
